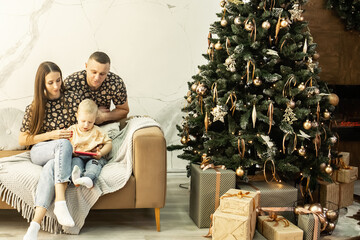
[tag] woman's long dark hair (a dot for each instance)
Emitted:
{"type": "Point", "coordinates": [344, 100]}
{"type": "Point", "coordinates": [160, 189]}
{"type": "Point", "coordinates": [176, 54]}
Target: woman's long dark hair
{"type": "Point", "coordinates": [37, 110]}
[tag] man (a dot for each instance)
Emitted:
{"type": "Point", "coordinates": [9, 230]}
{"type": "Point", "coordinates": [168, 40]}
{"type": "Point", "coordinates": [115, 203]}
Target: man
{"type": "Point", "coordinates": [102, 86]}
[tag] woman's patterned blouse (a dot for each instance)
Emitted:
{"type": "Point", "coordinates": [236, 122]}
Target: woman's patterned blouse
{"type": "Point", "coordinates": [112, 89]}
{"type": "Point", "coordinates": [59, 113]}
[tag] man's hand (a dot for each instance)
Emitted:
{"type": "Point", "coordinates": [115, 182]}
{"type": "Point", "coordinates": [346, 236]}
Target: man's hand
{"type": "Point", "coordinates": [102, 111]}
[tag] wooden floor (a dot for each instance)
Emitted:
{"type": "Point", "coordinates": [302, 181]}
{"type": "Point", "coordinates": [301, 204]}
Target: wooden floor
{"type": "Point", "coordinates": [134, 224]}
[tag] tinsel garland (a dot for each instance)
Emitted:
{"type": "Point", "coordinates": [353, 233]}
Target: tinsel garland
{"type": "Point", "coordinates": [348, 10]}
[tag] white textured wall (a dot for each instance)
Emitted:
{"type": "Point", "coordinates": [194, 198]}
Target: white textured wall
{"type": "Point", "coordinates": [154, 45]}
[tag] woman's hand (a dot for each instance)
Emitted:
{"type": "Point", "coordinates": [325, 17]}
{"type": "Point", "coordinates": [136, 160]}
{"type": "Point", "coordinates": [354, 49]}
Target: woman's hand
{"type": "Point", "coordinates": [60, 134]}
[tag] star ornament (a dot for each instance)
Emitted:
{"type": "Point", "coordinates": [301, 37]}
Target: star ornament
{"type": "Point", "coordinates": [295, 12]}
{"type": "Point", "coordinates": [218, 113]}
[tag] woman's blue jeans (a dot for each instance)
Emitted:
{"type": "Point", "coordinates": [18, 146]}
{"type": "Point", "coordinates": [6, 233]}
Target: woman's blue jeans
{"type": "Point", "coordinates": [55, 157]}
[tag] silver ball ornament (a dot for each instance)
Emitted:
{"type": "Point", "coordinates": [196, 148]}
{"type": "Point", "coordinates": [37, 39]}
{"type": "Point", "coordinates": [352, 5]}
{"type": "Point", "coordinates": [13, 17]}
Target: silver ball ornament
{"type": "Point", "coordinates": [333, 139]}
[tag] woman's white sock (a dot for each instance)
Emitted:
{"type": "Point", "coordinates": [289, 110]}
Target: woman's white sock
{"type": "Point", "coordinates": [85, 181]}
{"type": "Point", "coordinates": [32, 232]}
{"type": "Point", "coordinates": [62, 214]}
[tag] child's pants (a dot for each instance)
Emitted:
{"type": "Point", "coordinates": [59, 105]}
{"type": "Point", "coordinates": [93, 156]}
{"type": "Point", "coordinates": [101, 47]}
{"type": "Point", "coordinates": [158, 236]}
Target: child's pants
{"type": "Point", "coordinates": [89, 166]}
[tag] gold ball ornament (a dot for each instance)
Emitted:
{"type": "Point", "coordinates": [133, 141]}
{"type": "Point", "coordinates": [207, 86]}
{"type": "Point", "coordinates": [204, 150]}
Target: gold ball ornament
{"type": "Point", "coordinates": [194, 86]}
{"type": "Point", "coordinates": [237, 21]}
{"type": "Point", "coordinates": [291, 104]}
{"type": "Point", "coordinates": [322, 219]}
{"type": "Point", "coordinates": [328, 169]}
{"type": "Point", "coordinates": [333, 99]}
{"type": "Point", "coordinates": [330, 227]}
{"type": "Point", "coordinates": [189, 99]}
{"type": "Point", "coordinates": [201, 89]}
{"type": "Point", "coordinates": [266, 25]}
{"type": "Point", "coordinates": [297, 210]}
{"type": "Point", "coordinates": [322, 166]}
{"type": "Point", "coordinates": [302, 151]}
{"type": "Point", "coordinates": [223, 22]}
{"type": "Point", "coordinates": [222, 3]}
{"type": "Point", "coordinates": [184, 140]}
{"type": "Point", "coordinates": [257, 81]}
{"type": "Point", "coordinates": [218, 46]}
{"type": "Point", "coordinates": [316, 208]}
{"type": "Point", "coordinates": [332, 215]}
{"type": "Point", "coordinates": [307, 124]}
{"type": "Point", "coordinates": [326, 114]}
{"type": "Point", "coordinates": [249, 26]}
{"type": "Point", "coordinates": [301, 87]}
{"type": "Point", "coordinates": [240, 172]}
{"type": "Point", "coordinates": [284, 23]}
{"type": "Point", "coordinates": [316, 56]}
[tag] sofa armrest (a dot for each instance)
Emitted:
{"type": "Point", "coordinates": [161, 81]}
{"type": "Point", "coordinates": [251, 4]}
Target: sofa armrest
{"type": "Point", "coordinates": [149, 167]}
{"type": "Point", "coordinates": [8, 153]}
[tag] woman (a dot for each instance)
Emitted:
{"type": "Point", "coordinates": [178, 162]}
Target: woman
{"type": "Point", "coordinates": [43, 129]}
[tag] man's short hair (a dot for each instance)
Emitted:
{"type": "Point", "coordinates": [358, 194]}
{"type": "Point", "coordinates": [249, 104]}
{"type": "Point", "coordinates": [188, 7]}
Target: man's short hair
{"type": "Point", "coordinates": [100, 57]}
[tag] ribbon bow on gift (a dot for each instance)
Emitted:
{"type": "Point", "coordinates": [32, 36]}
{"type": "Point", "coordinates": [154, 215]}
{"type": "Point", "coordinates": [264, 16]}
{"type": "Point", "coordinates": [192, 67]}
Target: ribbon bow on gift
{"type": "Point", "coordinates": [273, 217]}
{"type": "Point", "coordinates": [205, 164]}
{"type": "Point", "coordinates": [343, 165]}
{"type": "Point", "coordinates": [240, 194]}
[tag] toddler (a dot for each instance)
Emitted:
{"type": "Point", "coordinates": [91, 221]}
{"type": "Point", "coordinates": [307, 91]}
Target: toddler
{"type": "Point", "coordinates": [90, 145]}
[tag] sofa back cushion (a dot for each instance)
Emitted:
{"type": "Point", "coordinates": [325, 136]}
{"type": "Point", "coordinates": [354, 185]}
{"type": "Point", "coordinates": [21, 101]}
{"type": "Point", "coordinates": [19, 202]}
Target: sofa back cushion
{"type": "Point", "coordinates": [10, 124]}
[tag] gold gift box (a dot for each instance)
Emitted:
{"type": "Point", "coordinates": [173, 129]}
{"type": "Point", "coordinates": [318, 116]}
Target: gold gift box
{"type": "Point", "coordinates": [336, 195]}
{"type": "Point", "coordinates": [277, 230]}
{"type": "Point", "coordinates": [345, 157]}
{"type": "Point", "coordinates": [231, 226]}
{"type": "Point", "coordinates": [345, 175]}
{"type": "Point", "coordinates": [239, 202]}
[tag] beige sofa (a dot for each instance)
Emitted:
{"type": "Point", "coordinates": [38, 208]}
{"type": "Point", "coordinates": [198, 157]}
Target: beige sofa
{"type": "Point", "coordinates": [146, 187]}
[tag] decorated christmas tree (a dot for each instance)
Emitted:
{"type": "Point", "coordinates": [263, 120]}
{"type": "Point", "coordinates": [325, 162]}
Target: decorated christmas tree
{"type": "Point", "coordinates": [259, 103]}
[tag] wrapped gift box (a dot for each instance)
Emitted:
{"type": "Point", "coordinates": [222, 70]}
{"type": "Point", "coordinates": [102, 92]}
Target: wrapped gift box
{"type": "Point", "coordinates": [274, 195]}
{"type": "Point", "coordinates": [306, 222]}
{"type": "Point", "coordinates": [345, 175]}
{"type": "Point", "coordinates": [239, 202]}
{"type": "Point", "coordinates": [277, 231]}
{"type": "Point", "coordinates": [202, 192]}
{"type": "Point", "coordinates": [232, 226]}
{"type": "Point", "coordinates": [335, 195]}
{"type": "Point", "coordinates": [345, 157]}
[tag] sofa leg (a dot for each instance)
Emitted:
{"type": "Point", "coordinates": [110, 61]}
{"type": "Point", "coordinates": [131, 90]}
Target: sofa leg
{"type": "Point", "coordinates": [157, 219]}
